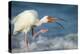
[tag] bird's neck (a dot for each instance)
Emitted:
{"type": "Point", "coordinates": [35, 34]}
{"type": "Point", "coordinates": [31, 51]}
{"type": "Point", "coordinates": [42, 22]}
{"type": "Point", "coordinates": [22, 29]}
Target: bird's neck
{"type": "Point", "coordinates": [39, 23]}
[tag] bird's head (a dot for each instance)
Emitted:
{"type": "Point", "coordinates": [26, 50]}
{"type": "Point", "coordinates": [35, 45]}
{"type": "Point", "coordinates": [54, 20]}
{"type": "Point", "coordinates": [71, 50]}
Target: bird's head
{"type": "Point", "coordinates": [49, 19]}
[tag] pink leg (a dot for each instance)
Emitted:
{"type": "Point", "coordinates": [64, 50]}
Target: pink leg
{"type": "Point", "coordinates": [26, 41]}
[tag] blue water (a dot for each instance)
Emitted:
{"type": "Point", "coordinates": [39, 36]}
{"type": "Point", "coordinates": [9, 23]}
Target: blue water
{"type": "Point", "coordinates": [67, 12]}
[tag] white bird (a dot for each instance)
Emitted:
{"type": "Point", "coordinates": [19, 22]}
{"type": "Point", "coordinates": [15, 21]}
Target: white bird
{"type": "Point", "coordinates": [24, 21]}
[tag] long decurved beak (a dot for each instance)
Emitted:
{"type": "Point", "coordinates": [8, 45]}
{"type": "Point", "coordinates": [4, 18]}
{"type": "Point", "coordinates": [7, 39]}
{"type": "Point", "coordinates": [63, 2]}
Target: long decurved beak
{"type": "Point", "coordinates": [59, 19]}
{"type": "Point", "coordinates": [51, 20]}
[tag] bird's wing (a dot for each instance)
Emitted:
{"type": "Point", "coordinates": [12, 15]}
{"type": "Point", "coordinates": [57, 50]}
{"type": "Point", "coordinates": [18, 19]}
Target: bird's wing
{"type": "Point", "coordinates": [14, 19]}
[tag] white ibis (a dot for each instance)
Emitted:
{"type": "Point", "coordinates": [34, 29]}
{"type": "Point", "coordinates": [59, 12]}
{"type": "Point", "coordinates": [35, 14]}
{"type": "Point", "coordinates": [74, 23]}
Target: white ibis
{"type": "Point", "coordinates": [24, 21]}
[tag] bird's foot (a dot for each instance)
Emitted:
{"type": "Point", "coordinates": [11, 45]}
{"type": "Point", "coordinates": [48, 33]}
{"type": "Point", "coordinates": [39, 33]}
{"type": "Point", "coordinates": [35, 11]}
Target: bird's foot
{"type": "Point", "coordinates": [26, 47]}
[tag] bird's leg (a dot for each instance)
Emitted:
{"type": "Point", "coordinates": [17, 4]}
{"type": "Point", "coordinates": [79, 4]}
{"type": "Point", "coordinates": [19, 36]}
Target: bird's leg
{"type": "Point", "coordinates": [26, 41]}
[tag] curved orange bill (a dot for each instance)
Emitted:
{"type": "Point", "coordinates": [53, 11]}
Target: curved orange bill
{"type": "Point", "coordinates": [53, 19]}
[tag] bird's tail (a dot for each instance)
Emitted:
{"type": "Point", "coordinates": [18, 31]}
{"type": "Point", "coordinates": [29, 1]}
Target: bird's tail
{"type": "Point", "coordinates": [14, 33]}
{"type": "Point", "coordinates": [13, 20]}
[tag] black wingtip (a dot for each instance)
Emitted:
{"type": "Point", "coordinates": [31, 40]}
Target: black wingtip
{"type": "Point", "coordinates": [32, 31]}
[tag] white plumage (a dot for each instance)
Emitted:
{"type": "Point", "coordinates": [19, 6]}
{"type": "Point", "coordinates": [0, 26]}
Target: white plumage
{"type": "Point", "coordinates": [25, 20]}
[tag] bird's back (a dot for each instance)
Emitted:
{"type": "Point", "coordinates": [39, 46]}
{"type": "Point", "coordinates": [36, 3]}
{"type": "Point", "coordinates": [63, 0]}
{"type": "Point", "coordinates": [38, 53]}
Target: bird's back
{"type": "Point", "coordinates": [28, 16]}
{"type": "Point", "coordinates": [25, 19]}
